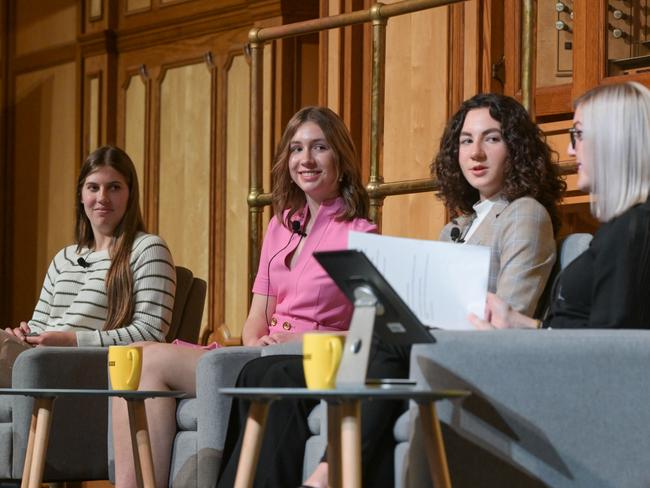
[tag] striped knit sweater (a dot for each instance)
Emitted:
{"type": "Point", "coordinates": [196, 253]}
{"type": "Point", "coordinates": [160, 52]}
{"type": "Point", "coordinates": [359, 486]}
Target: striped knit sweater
{"type": "Point", "coordinates": [74, 298]}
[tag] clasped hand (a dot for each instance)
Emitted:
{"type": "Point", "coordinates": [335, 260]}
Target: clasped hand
{"type": "Point", "coordinates": [44, 338]}
{"type": "Point", "coordinates": [276, 338]}
{"type": "Point", "coordinates": [500, 315]}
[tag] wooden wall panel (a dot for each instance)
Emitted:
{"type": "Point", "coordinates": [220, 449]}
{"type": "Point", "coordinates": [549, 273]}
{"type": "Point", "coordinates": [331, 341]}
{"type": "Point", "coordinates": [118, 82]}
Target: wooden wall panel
{"type": "Point", "coordinates": [42, 24]}
{"type": "Point", "coordinates": [5, 171]}
{"type": "Point", "coordinates": [94, 113]}
{"type": "Point", "coordinates": [471, 50]}
{"type": "Point", "coordinates": [44, 179]}
{"type": "Point", "coordinates": [95, 9]}
{"type": "Point", "coordinates": [415, 114]}
{"type": "Point", "coordinates": [334, 54]}
{"type": "Point", "coordinates": [135, 5]}
{"type": "Point", "coordinates": [135, 137]}
{"type": "Point", "coordinates": [184, 210]}
{"type": "Point", "coordinates": [308, 66]}
{"type": "Point", "coordinates": [237, 157]}
{"type": "Point", "coordinates": [97, 97]}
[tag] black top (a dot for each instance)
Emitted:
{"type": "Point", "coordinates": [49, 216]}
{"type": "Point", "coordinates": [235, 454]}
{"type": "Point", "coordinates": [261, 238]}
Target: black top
{"type": "Point", "coordinates": [608, 286]}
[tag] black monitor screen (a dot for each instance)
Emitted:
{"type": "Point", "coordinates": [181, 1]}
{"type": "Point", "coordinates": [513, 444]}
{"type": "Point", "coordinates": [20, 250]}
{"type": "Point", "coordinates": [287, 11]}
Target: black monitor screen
{"type": "Point", "coordinates": [350, 269]}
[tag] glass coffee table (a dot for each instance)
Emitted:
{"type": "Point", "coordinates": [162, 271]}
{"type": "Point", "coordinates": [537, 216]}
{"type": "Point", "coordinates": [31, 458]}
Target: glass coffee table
{"type": "Point", "coordinates": [343, 428]}
{"type": "Point", "coordinates": [39, 429]}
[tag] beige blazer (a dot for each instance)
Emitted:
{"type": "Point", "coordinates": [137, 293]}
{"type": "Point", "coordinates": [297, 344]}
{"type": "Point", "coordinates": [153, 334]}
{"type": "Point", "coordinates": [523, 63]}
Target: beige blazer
{"type": "Point", "coordinates": [520, 235]}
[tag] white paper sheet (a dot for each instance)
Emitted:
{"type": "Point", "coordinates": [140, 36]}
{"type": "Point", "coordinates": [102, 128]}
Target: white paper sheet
{"type": "Point", "coordinates": [441, 282]}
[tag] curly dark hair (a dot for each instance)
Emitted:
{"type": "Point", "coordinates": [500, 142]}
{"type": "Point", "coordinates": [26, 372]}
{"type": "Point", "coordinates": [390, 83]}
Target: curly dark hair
{"type": "Point", "coordinates": [530, 170]}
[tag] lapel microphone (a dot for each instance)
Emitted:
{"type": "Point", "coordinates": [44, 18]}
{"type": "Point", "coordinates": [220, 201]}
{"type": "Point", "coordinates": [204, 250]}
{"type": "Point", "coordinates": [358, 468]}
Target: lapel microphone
{"type": "Point", "coordinates": [295, 228]}
{"type": "Point", "coordinates": [83, 263]}
{"type": "Point", "coordinates": [455, 235]}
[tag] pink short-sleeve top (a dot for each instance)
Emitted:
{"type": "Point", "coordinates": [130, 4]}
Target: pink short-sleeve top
{"type": "Point", "coordinates": [306, 298]}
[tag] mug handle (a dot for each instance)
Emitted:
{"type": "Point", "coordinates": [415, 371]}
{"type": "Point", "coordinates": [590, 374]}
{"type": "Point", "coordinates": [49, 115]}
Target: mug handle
{"type": "Point", "coordinates": [336, 351]}
{"type": "Point", "coordinates": [135, 365]}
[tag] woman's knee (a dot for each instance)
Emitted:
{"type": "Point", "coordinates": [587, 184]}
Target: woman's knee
{"type": "Point", "coordinates": [156, 361]}
{"type": "Point", "coordinates": [267, 371]}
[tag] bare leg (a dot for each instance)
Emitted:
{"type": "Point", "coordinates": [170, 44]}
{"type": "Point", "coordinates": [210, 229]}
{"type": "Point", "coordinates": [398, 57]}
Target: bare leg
{"type": "Point", "coordinates": [164, 367]}
{"type": "Point", "coordinates": [318, 478]}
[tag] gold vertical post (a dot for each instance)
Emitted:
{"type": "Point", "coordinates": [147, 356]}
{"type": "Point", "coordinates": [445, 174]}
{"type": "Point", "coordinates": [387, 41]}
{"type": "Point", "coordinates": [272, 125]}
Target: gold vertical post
{"type": "Point", "coordinates": [528, 56]}
{"type": "Point", "coordinates": [255, 177]}
{"type": "Point", "coordinates": [377, 111]}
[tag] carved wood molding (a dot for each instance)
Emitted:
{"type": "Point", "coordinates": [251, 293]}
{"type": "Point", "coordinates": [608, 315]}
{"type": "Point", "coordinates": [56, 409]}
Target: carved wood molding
{"type": "Point", "coordinates": [97, 43]}
{"type": "Point", "coordinates": [44, 58]}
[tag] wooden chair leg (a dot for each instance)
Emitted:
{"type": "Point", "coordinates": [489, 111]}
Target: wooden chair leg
{"type": "Point", "coordinates": [351, 443]}
{"type": "Point", "coordinates": [251, 444]}
{"type": "Point", "coordinates": [434, 445]}
{"type": "Point", "coordinates": [334, 445]}
{"type": "Point", "coordinates": [43, 407]}
{"type": "Point", "coordinates": [141, 444]}
{"type": "Point", "coordinates": [30, 447]}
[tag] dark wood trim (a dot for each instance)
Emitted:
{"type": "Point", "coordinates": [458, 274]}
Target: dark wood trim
{"type": "Point", "coordinates": [492, 40]}
{"type": "Point", "coordinates": [218, 193]}
{"type": "Point", "coordinates": [10, 93]}
{"type": "Point", "coordinates": [6, 176]}
{"type": "Point", "coordinates": [512, 47]}
{"type": "Point", "coordinates": [139, 37]}
{"type": "Point", "coordinates": [98, 43]}
{"type": "Point", "coordinates": [323, 38]}
{"type": "Point", "coordinates": [152, 164]}
{"type": "Point", "coordinates": [284, 97]}
{"type": "Point", "coordinates": [171, 3]}
{"type": "Point", "coordinates": [352, 76]}
{"type": "Point", "coordinates": [65, 53]}
{"type": "Point", "coordinates": [456, 57]}
{"type": "Point", "coordinates": [109, 99]}
{"type": "Point", "coordinates": [160, 15]}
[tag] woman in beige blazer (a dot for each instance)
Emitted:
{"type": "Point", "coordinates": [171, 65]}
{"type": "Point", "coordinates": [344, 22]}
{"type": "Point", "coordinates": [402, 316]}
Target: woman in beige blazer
{"type": "Point", "coordinates": [501, 187]}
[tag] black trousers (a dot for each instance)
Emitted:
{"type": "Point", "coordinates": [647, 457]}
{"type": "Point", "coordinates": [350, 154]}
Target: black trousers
{"type": "Point", "coordinates": [282, 451]}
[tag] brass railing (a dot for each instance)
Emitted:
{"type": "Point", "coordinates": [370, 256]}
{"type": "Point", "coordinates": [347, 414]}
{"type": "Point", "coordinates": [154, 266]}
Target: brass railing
{"type": "Point", "coordinates": [378, 14]}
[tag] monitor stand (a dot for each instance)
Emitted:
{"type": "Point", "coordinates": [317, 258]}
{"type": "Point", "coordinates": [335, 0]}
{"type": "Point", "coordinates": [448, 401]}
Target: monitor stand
{"type": "Point", "coordinates": [354, 363]}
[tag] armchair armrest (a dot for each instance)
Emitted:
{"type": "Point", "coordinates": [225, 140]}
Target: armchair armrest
{"type": "Point", "coordinates": [70, 456]}
{"type": "Point", "coordinates": [216, 369]}
{"type": "Point", "coordinates": [61, 367]}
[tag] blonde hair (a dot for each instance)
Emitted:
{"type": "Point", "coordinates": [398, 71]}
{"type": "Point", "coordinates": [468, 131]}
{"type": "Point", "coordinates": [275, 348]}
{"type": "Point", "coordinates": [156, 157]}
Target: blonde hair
{"type": "Point", "coordinates": [616, 137]}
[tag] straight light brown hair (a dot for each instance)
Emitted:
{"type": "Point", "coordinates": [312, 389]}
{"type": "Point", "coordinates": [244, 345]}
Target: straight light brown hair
{"type": "Point", "coordinates": [119, 278]}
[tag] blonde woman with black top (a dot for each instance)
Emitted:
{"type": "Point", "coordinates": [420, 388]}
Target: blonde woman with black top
{"type": "Point", "coordinates": [115, 285]}
{"type": "Point", "coordinates": [606, 287]}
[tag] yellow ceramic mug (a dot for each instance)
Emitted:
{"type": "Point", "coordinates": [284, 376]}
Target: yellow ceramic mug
{"type": "Point", "coordinates": [124, 367]}
{"type": "Point", "coordinates": [321, 358]}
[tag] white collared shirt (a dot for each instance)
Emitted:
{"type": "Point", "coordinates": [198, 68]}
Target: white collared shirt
{"type": "Point", "coordinates": [481, 208]}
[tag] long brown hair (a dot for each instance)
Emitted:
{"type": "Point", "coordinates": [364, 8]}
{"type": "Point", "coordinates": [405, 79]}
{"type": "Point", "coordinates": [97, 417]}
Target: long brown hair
{"type": "Point", "coordinates": [119, 278]}
{"type": "Point", "coordinates": [287, 195]}
{"type": "Point", "coordinates": [529, 170]}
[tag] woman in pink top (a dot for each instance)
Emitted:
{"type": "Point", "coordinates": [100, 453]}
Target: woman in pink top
{"type": "Point", "coordinates": [318, 198]}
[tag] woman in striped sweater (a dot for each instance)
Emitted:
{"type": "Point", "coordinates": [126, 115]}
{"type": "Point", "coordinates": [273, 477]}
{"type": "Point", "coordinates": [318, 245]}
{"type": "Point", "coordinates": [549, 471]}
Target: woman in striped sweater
{"type": "Point", "coordinates": [115, 285]}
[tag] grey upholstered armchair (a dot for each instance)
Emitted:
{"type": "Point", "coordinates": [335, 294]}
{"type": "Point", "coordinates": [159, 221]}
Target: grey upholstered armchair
{"type": "Point", "coordinates": [71, 456]}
